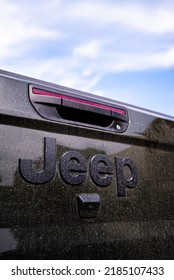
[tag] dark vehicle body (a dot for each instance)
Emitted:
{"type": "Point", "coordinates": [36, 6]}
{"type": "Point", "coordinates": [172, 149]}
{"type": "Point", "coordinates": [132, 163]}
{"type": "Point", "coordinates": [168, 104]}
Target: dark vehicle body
{"type": "Point", "coordinates": [81, 176]}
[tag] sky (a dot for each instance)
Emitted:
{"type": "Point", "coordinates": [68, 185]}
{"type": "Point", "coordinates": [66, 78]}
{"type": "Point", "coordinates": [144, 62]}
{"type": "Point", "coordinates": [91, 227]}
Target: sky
{"type": "Point", "coordinates": [120, 49]}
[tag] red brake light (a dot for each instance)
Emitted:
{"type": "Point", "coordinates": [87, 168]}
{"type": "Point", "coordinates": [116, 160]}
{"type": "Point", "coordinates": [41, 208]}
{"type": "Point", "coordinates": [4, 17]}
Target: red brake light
{"type": "Point", "coordinates": [78, 100]}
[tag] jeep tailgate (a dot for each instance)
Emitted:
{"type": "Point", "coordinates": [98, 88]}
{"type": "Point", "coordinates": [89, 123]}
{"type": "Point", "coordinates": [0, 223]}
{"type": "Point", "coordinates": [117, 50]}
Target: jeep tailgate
{"type": "Point", "coordinates": [82, 177]}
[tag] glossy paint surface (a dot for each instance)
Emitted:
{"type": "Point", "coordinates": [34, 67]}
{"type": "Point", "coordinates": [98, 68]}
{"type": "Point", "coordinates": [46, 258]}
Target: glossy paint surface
{"type": "Point", "coordinates": [41, 221]}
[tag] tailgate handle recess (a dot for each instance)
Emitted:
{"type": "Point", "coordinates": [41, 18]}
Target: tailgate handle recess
{"type": "Point", "coordinates": [58, 106]}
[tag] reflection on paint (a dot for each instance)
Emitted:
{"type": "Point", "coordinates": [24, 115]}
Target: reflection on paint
{"type": "Point", "coordinates": [7, 240]}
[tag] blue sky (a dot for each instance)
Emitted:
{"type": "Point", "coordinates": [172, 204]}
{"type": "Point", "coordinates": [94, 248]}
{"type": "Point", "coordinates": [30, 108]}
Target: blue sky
{"type": "Point", "coordinates": [120, 49]}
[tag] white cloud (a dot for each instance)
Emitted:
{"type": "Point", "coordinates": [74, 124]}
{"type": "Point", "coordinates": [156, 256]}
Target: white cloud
{"type": "Point", "coordinates": [116, 62]}
{"type": "Point", "coordinates": [102, 37]}
{"type": "Point", "coordinates": [18, 33]}
{"type": "Point", "coordinates": [146, 18]}
{"type": "Point", "coordinates": [89, 50]}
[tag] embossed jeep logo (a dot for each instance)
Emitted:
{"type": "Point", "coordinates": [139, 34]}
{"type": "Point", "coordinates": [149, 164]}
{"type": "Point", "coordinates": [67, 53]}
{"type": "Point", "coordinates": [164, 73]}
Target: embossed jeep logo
{"type": "Point", "coordinates": [73, 169]}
